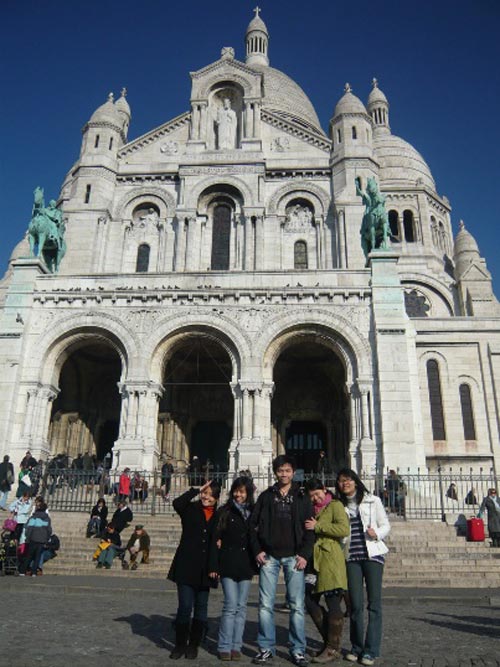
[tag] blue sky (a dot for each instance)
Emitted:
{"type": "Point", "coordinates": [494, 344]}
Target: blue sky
{"type": "Point", "coordinates": [436, 60]}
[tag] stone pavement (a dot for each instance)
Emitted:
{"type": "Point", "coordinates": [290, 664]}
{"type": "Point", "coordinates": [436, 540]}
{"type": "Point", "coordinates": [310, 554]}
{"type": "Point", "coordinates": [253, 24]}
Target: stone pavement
{"type": "Point", "coordinates": [99, 621]}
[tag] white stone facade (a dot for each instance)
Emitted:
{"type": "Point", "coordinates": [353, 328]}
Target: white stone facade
{"type": "Point", "coordinates": [232, 267]}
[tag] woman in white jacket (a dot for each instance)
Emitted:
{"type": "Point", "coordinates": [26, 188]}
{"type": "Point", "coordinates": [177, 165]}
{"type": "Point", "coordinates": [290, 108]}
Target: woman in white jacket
{"type": "Point", "coordinates": [365, 550]}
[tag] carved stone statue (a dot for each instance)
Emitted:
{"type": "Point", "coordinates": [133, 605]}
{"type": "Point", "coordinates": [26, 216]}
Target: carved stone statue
{"type": "Point", "coordinates": [298, 219]}
{"type": "Point", "coordinates": [46, 232]}
{"type": "Point", "coordinates": [375, 226]}
{"type": "Point", "coordinates": [226, 126]}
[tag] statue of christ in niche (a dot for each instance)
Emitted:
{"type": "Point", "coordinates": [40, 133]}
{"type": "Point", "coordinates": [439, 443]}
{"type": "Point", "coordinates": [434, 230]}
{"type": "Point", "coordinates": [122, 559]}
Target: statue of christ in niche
{"type": "Point", "coordinates": [226, 126]}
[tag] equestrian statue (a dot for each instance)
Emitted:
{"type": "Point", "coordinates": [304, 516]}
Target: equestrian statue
{"type": "Point", "coordinates": [375, 226]}
{"type": "Point", "coordinates": [46, 232]}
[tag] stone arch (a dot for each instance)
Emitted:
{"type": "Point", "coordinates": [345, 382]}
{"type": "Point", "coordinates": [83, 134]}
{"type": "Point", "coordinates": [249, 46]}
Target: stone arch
{"type": "Point", "coordinates": [227, 75]}
{"type": "Point", "coordinates": [53, 347]}
{"type": "Point", "coordinates": [444, 370]}
{"type": "Point", "coordinates": [213, 193]}
{"type": "Point", "coordinates": [428, 283]}
{"type": "Point", "coordinates": [342, 338]}
{"type": "Point", "coordinates": [193, 194]}
{"type": "Point", "coordinates": [299, 189]}
{"type": "Point", "coordinates": [159, 196]}
{"type": "Point", "coordinates": [170, 331]}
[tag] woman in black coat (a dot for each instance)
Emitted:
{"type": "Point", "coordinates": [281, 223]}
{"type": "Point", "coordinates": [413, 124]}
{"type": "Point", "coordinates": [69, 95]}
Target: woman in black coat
{"type": "Point", "coordinates": [98, 519]}
{"type": "Point", "coordinates": [189, 569]}
{"type": "Point", "coordinates": [232, 561]}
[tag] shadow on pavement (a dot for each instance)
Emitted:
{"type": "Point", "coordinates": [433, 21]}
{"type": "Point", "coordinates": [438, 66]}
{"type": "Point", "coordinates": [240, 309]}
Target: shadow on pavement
{"type": "Point", "coordinates": [154, 627]}
{"type": "Point", "coordinates": [462, 626]}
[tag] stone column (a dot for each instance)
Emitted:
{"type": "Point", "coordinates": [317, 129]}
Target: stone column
{"type": "Point", "coordinates": [259, 243]}
{"type": "Point", "coordinates": [341, 251]}
{"type": "Point", "coordinates": [180, 245]}
{"type": "Point", "coordinates": [203, 121]}
{"type": "Point", "coordinates": [248, 259]}
{"type": "Point", "coordinates": [148, 424]}
{"type": "Point", "coordinates": [354, 442]}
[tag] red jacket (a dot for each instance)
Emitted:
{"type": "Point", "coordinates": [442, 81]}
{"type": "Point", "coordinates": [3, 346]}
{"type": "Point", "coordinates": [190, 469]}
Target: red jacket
{"type": "Point", "coordinates": [124, 486]}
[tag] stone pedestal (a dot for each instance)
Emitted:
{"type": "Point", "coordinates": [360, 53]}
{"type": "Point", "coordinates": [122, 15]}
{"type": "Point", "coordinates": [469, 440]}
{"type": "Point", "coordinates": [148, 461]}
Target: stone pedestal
{"type": "Point", "coordinates": [397, 403]}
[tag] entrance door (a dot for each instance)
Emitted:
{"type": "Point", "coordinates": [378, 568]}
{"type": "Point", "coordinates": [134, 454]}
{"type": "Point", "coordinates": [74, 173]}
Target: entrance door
{"type": "Point", "coordinates": [303, 441]}
{"type": "Point", "coordinates": [210, 441]}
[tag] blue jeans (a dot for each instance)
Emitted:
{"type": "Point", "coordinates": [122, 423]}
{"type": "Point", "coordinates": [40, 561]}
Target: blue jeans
{"type": "Point", "coordinates": [234, 614]}
{"type": "Point", "coordinates": [3, 498]}
{"type": "Point", "coordinates": [295, 589]}
{"type": "Point", "coordinates": [371, 572]}
{"type": "Point", "coordinates": [189, 597]}
{"type": "Point", "coordinates": [106, 556]}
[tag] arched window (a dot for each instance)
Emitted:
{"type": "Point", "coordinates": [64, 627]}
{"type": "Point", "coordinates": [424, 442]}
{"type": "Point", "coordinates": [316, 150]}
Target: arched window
{"type": "Point", "coordinates": [221, 236]}
{"type": "Point", "coordinates": [394, 224]}
{"type": "Point", "coordinates": [467, 413]}
{"type": "Point", "coordinates": [408, 226]}
{"type": "Point", "coordinates": [339, 137]}
{"type": "Point", "coordinates": [96, 142]}
{"type": "Point", "coordinates": [111, 143]}
{"type": "Point", "coordinates": [142, 263]}
{"type": "Point", "coordinates": [300, 255]}
{"type": "Point", "coordinates": [435, 400]}
{"type": "Point", "coordinates": [354, 132]}
{"type": "Point", "coordinates": [88, 190]}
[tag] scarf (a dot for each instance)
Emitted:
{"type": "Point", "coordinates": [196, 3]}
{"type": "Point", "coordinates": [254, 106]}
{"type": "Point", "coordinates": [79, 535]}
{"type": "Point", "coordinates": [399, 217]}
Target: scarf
{"type": "Point", "coordinates": [352, 506]}
{"type": "Point", "coordinates": [242, 508]}
{"type": "Point", "coordinates": [328, 499]}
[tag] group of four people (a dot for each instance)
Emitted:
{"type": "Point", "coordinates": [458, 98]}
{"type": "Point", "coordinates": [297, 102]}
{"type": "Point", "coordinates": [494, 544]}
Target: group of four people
{"type": "Point", "coordinates": [328, 549]}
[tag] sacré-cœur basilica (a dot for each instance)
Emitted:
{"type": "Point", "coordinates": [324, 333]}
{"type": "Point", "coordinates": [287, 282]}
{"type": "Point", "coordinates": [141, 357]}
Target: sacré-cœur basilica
{"type": "Point", "coordinates": [213, 296]}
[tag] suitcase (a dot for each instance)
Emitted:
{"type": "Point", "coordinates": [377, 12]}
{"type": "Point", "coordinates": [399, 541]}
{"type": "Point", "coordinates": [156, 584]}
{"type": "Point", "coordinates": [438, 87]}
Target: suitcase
{"type": "Point", "coordinates": [475, 530]}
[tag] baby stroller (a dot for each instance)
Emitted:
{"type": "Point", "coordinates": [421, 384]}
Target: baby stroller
{"type": "Point", "coordinates": [8, 553]}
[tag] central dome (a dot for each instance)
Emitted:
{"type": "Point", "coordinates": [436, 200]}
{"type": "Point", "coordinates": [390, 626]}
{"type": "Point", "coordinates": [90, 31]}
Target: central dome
{"type": "Point", "coordinates": [283, 96]}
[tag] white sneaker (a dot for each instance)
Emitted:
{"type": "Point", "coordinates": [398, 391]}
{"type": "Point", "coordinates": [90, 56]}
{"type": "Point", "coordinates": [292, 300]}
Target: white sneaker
{"type": "Point", "coordinates": [351, 657]}
{"type": "Point", "coordinates": [367, 660]}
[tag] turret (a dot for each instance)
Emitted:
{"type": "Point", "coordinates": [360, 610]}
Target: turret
{"type": "Point", "coordinates": [257, 40]}
{"type": "Point", "coordinates": [378, 108]}
{"type": "Point", "coordinates": [473, 278]}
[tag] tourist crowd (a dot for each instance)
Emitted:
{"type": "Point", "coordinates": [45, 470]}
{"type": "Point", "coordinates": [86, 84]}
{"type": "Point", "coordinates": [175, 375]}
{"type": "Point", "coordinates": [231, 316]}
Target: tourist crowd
{"type": "Point", "coordinates": [328, 545]}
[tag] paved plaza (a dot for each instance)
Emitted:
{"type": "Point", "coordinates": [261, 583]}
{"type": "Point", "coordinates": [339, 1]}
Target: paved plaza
{"type": "Point", "coordinates": [100, 620]}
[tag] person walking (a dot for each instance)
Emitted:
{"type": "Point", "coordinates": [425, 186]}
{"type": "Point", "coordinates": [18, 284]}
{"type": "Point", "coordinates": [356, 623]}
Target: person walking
{"type": "Point", "coordinates": [328, 577]}
{"type": "Point", "coordinates": [365, 552]}
{"type": "Point", "coordinates": [491, 504]}
{"type": "Point", "coordinates": [232, 561]}
{"type": "Point", "coordinates": [38, 530]}
{"type": "Point", "coordinates": [167, 470]}
{"type": "Point", "coordinates": [6, 480]}
{"type": "Point", "coordinates": [280, 541]}
{"type": "Point", "coordinates": [189, 569]}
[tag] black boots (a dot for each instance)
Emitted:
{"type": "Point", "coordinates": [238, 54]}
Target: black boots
{"type": "Point", "coordinates": [195, 637]}
{"type": "Point", "coordinates": [333, 639]}
{"type": "Point", "coordinates": [181, 640]}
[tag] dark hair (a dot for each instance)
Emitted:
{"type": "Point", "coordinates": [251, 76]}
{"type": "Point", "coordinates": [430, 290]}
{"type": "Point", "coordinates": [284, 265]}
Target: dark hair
{"type": "Point", "coordinates": [215, 488]}
{"type": "Point", "coordinates": [283, 459]}
{"type": "Point", "coordinates": [42, 507]}
{"type": "Point", "coordinates": [314, 484]}
{"type": "Point", "coordinates": [247, 484]}
{"type": "Point", "coordinates": [101, 500]}
{"type": "Point", "coordinates": [361, 489]}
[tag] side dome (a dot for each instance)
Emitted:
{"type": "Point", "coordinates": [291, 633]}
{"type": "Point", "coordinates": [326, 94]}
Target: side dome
{"type": "Point", "coordinates": [400, 163]}
{"type": "Point", "coordinates": [465, 242]}
{"type": "Point", "coordinates": [349, 103]}
{"type": "Point", "coordinates": [107, 113]}
{"type": "Point", "coordinates": [285, 97]}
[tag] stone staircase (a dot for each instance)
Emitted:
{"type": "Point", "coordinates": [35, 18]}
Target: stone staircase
{"type": "Point", "coordinates": [422, 553]}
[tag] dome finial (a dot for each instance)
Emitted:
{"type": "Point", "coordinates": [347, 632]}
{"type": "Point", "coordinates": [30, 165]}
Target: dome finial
{"type": "Point", "coordinates": [124, 92]}
{"type": "Point", "coordinates": [347, 88]}
{"type": "Point", "coordinates": [374, 82]}
{"type": "Point", "coordinates": [461, 225]}
{"type": "Point", "coordinates": [111, 97]}
{"type": "Point", "coordinates": [257, 11]}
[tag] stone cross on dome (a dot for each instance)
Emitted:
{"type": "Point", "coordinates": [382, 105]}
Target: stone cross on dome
{"type": "Point", "coordinates": [124, 92]}
{"type": "Point", "coordinates": [257, 11]}
{"type": "Point", "coordinates": [375, 82]}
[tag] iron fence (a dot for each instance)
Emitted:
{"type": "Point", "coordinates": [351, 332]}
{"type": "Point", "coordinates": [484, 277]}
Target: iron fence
{"type": "Point", "coordinates": [408, 494]}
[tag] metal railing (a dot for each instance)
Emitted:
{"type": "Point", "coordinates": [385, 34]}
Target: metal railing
{"type": "Point", "coordinates": [407, 494]}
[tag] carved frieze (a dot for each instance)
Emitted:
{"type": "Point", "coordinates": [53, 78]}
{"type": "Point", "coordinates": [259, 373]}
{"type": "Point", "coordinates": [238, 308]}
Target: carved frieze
{"type": "Point", "coordinates": [170, 148]}
{"type": "Point", "coordinates": [299, 218]}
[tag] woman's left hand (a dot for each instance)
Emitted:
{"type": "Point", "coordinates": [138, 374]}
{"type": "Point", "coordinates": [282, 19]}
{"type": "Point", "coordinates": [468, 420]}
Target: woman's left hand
{"type": "Point", "coordinates": [213, 575]}
{"type": "Point", "coordinates": [310, 523]}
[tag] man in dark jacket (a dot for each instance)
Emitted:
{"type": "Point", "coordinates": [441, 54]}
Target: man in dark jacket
{"type": "Point", "coordinates": [122, 516]}
{"type": "Point", "coordinates": [279, 540]}
{"type": "Point", "coordinates": [6, 480]}
{"type": "Point", "coordinates": [137, 546]}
